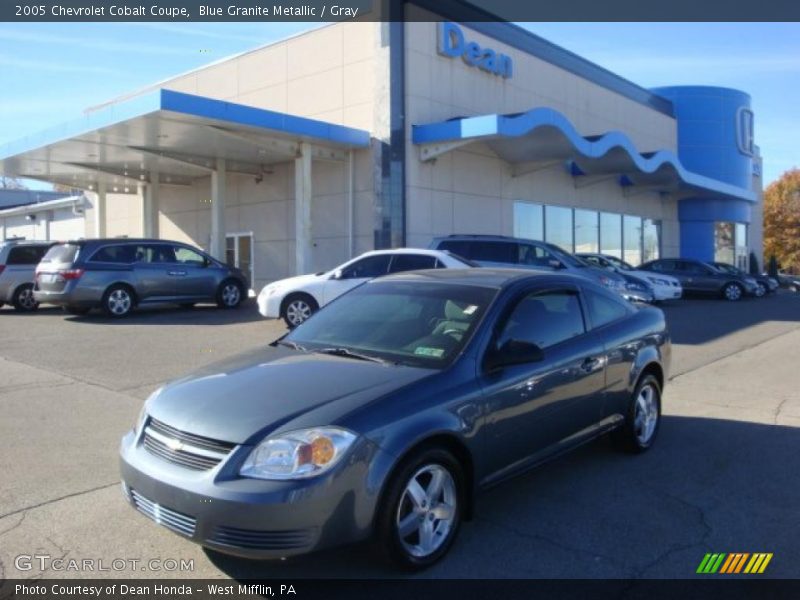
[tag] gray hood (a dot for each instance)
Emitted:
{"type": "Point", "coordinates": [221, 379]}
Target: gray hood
{"type": "Point", "coordinates": [251, 394]}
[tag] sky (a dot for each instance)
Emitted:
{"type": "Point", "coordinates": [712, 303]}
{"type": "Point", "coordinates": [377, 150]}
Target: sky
{"type": "Point", "coordinates": [51, 72]}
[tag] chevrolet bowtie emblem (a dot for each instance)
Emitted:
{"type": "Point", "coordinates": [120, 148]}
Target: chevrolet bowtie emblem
{"type": "Point", "coordinates": [175, 445]}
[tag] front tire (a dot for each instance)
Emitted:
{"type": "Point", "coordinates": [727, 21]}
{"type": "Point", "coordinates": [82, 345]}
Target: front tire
{"type": "Point", "coordinates": [642, 419]}
{"type": "Point", "coordinates": [229, 294]}
{"type": "Point", "coordinates": [420, 515]}
{"type": "Point", "coordinates": [732, 292]}
{"type": "Point", "coordinates": [761, 290]}
{"type": "Point", "coordinates": [297, 309]}
{"type": "Point", "coordinates": [118, 301]}
{"type": "Point", "coordinates": [23, 299]}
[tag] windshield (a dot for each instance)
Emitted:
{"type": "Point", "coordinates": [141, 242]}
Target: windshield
{"type": "Point", "coordinates": [424, 324]}
{"type": "Point", "coordinates": [567, 258]}
{"type": "Point", "coordinates": [726, 268]}
{"type": "Point", "coordinates": [620, 264]}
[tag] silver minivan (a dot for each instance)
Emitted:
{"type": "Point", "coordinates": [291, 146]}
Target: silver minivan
{"type": "Point", "coordinates": [18, 260]}
{"type": "Point", "coordinates": [117, 275]}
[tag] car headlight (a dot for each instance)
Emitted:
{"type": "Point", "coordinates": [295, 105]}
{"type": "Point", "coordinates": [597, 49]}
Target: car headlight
{"type": "Point", "coordinates": [298, 454]}
{"type": "Point", "coordinates": [658, 281]}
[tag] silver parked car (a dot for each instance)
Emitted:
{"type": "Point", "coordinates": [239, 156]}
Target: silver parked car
{"type": "Point", "coordinates": [18, 260]}
{"type": "Point", "coordinates": [119, 274]}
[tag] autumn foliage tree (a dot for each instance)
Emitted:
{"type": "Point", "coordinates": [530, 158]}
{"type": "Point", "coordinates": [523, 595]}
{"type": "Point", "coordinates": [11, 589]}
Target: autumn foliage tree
{"type": "Point", "coordinates": [782, 220]}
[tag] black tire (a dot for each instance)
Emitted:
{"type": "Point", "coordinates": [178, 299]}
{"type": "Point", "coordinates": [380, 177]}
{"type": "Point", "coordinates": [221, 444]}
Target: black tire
{"type": "Point", "coordinates": [396, 501]}
{"type": "Point", "coordinates": [297, 308]}
{"type": "Point", "coordinates": [23, 300]}
{"type": "Point", "coordinates": [119, 300]}
{"type": "Point", "coordinates": [761, 290]}
{"type": "Point", "coordinates": [628, 437]}
{"type": "Point", "coordinates": [230, 294]}
{"type": "Point", "coordinates": [733, 292]}
{"type": "Point", "coordinates": [77, 310]}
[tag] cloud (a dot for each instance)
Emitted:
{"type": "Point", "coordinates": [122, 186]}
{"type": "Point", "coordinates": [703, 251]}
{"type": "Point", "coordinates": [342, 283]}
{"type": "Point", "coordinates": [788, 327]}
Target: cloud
{"type": "Point", "coordinates": [190, 30]}
{"type": "Point", "coordinates": [54, 66]}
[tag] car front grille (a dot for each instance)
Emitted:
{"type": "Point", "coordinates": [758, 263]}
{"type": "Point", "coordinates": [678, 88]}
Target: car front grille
{"type": "Point", "coordinates": [262, 540]}
{"type": "Point", "coordinates": [185, 449]}
{"type": "Point", "coordinates": [171, 519]}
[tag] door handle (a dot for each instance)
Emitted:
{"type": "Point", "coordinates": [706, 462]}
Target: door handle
{"type": "Point", "coordinates": [592, 363]}
{"type": "Point", "coordinates": [176, 273]}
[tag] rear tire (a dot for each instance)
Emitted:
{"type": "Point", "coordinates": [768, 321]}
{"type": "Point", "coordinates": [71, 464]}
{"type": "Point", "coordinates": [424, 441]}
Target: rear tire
{"type": "Point", "coordinates": [642, 419]}
{"type": "Point", "coordinates": [229, 294]}
{"type": "Point", "coordinates": [297, 308]}
{"type": "Point", "coordinates": [23, 299]}
{"type": "Point", "coordinates": [418, 521]}
{"type": "Point", "coordinates": [761, 290]}
{"type": "Point", "coordinates": [118, 301]}
{"type": "Point", "coordinates": [732, 292]}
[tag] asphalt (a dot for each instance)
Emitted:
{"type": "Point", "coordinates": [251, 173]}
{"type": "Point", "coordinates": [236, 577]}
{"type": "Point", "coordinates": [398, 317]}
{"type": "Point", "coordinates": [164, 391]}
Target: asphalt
{"type": "Point", "coordinates": [721, 478]}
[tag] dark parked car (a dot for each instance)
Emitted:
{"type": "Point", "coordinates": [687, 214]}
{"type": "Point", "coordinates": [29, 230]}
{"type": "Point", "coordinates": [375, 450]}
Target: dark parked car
{"type": "Point", "coordinates": [701, 278]}
{"type": "Point", "coordinates": [18, 260]}
{"type": "Point", "coordinates": [764, 283]}
{"type": "Point", "coordinates": [119, 274]}
{"type": "Point", "coordinates": [389, 408]}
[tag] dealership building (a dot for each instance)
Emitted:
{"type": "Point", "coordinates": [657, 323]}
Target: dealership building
{"type": "Point", "coordinates": [297, 155]}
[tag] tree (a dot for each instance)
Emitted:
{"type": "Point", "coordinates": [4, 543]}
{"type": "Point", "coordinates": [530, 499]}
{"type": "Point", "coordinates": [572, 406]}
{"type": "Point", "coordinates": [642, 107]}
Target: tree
{"type": "Point", "coordinates": [782, 220]}
{"type": "Point", "coordinates": [11, 183]}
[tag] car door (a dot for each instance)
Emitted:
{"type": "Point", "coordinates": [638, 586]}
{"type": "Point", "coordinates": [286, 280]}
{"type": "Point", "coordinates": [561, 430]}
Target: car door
{"type": "Point", "coordinates": [195, 277]}
{"type": "Point", "coordinates": [354, 274]}
{"type": "Point", "coordinates": [531, 407]}
{"type": "Point", "coordinates": [152, 266]}
{"type": "Point", "coordinates": [699, 278]}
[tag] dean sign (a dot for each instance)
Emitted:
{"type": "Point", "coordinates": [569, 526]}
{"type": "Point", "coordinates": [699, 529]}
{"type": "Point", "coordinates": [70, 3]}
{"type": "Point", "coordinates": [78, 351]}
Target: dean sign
{"type": "Point", "coordinates": [453, 44]}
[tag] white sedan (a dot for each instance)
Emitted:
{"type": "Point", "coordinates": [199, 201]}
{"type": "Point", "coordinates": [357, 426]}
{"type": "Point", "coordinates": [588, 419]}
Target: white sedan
{"type": "Point", "coordinates": [297, 298]}
{"type": "Point", "coordinates": [664, 287]}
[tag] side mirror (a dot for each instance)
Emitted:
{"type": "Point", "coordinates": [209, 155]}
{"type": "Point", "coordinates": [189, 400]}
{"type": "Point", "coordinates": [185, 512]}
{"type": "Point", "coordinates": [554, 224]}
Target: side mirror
{"type": "Point", "coordinates": [514, 352]}
{"type": "Point", "coordinates": [555, 263]}
{"type": "Point", "coordinates": [337, 274]}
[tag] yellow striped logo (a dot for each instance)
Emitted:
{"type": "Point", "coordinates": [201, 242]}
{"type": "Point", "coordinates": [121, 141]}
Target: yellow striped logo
{"type": "Point", "coordinates": [733, 563]}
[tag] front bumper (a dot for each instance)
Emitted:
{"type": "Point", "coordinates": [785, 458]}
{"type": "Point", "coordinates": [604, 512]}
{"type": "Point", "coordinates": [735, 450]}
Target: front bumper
{"type": "Point", "coordinates": [269, 306]}
{"type": "Point", "coordinates": [252, 518]}
{"type": "Point", "coordinates": [667, 292]}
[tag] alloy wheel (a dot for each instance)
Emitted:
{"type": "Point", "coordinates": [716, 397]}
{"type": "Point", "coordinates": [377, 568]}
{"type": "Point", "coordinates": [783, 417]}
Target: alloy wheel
{"type": "Point", "coordinates": [427, 510]}
{"type": "Point", "coordinates": [645, 416]}
{"type": "Point", "coordinates": [733, 292]}
{"type": "Point", "coordinates": [26, 300]}
{"type": "Point", "coordinates": [298, 311]}
{"type": "Point", "coordinates": [761, 290]}
{"type": "Point", "coordinates": [119, 302]}
{"type": "Point", "coordinates": [231, 295]}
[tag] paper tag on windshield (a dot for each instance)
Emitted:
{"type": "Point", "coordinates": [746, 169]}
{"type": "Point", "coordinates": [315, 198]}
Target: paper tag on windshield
{"type": "Point", "coordinates": [470, 309]}
{"type": "Point", "coordinates": [428, 351]}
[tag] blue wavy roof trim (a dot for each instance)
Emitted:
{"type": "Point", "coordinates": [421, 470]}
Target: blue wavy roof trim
{"type": "Point", "coordinates": [495, 126]}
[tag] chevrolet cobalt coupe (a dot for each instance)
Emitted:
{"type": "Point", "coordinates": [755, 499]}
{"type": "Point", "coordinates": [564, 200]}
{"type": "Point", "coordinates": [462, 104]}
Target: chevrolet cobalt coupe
{"type": "Point", "coordinates": [387, 411]}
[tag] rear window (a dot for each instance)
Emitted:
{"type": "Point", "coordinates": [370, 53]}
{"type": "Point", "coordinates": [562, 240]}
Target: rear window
{"type": "Point", "coordinates": [26, 255]}
{"type": "Point", "coordinates": [61, 253]}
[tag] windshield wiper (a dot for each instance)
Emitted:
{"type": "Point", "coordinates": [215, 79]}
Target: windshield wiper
{"type": "Point", "coordinates": [352, 354]}
{"type": "Point", "coordinates": [291, 344]}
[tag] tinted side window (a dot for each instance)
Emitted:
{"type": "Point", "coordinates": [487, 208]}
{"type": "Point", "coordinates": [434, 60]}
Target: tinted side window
{"type": "Point", "coordinates": [693, 268]}
{"type": "Point", "coordinates": [123, 253]}
{"type": "Point", "coordinates": [604, 309]}
{"type": "Point", "coordinates": [545, 319]}
{"type": "Point", "coordinates": [457, 247]}
{"type": "Point", "coordinates": [500, 252]}
{"type": "Point", "coordinates": [533, 255]}
{"type": "Point", "coordinates": [664, 265]}
{"type": "Point", "coordinates": [369, 267]}
{"type": "Point", "coordinates": [26, 255]}
{"type": "Point", "coordinates": [159, 253]}
{"type": "Point", "coordinates": [412, 262]}
{"type": "Point", "coordinates": [188, 256]}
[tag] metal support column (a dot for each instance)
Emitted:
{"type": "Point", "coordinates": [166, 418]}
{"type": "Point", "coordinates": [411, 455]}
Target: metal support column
{"type": "Point", "coordinates": [100, 210]}
{"type": "Point", "coordinates": [151, 206]}
{"type": "Point", "coordinates": [217, 245]}
{"type": "Point", "coordinates": [302, 202]}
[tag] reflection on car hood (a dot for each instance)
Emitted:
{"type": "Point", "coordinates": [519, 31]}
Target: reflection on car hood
{"type": "Point", "coordinates": [299, 281]}
{"type": "Point", "coordinates": [237, 399]}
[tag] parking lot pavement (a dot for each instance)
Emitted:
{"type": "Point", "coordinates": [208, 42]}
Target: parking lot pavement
{"type": "Point", "coordinates": [721, 478]}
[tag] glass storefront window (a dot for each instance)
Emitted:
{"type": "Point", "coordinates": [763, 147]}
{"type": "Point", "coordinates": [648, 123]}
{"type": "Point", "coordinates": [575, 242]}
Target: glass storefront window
{"type": "Point", "coordinates": [632, 238]}
{"type": "Point", "coordinates": [742, 253]}
{"type": "Point", "coordinates": [651, 240]}
{"type": "Point", "coordinates": [724, 246]}
{"type": "Point", "coordinates": [558, 226]}
{"type": "Point", "coordinates": [528, 221]}
{"type": "Point", "coordinates": [611, 234]}
{"type": "Point", "coordinates": [586, 231]}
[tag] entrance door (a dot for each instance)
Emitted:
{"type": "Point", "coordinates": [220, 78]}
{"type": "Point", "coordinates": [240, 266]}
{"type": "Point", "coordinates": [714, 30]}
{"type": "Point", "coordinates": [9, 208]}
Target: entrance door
{"type": "Point", "coordinates": [239, 253]}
